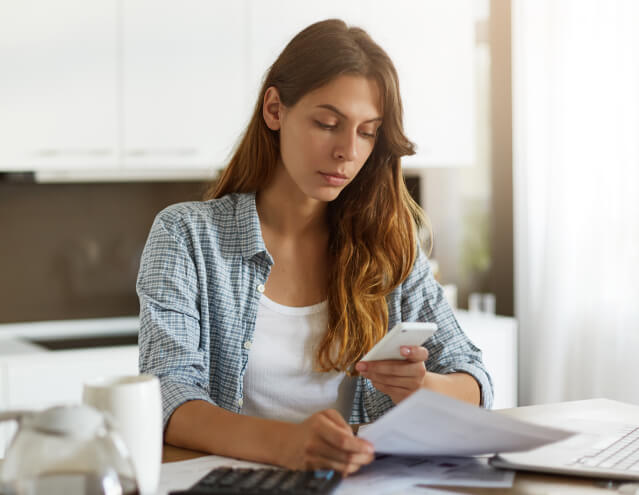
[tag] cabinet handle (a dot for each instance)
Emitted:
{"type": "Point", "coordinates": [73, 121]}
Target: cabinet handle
{"type": "Point", "coordinates": [162, 152]}
{"type": "Point", "coordinates": [53, 153]}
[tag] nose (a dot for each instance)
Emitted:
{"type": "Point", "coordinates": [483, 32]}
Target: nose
{"type": "Point", "coordinates": [346, 147]}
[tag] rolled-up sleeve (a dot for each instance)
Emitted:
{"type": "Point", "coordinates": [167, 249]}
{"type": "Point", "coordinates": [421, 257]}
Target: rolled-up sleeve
{"type": "Point", "coordinates": [450, 350]}
{"type": "Point", "coordinates": [170, 341]}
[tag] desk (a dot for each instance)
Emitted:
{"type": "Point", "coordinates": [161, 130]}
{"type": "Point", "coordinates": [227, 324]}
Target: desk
{"type": "Point", "coordinates": [525, 483]}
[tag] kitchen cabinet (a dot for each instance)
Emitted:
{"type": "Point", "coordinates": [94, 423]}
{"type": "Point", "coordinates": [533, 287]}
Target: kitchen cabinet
{"type": "Point", "coordinates": [432, 44]}
{"type": "Point", "coordinates": [164, 89]}
{"type": "Point", "coordinates": [183, 83]}
{"type": "Point", "coordinates": [121, 88]}
{"type": "Point", "coordinates": [269, 29]}
{"type": "Point", "coordinates": [58, 92]}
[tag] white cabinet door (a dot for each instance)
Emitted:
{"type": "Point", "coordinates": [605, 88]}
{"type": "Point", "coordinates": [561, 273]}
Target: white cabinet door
{"type": "Point", "coordinates": [270, 29]}
{"type": "Point", "coordinates": [58, 84]}
{"type": "Point", "coordinates": [183, 84]}
{"type": "Point", "coordinates": [432, 44]}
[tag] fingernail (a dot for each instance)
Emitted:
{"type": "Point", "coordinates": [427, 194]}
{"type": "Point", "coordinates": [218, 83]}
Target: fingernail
{"type": "Point", "coordinates": [405, 350]}
{"type": "Point", "coordinates": [361, 366]}
{"type": "Point", "coordinates": [370, 449]}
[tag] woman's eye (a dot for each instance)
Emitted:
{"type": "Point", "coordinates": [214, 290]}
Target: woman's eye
{"type": "Point", "coordinates": [325, 126]}
{"type": "Point", "coordinates": [330, 127]}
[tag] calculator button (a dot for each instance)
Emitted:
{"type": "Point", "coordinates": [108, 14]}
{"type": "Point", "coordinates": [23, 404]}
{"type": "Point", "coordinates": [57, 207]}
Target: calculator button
{"type": "Point", "coordinates": [291, 481]}
{"type": "Point", "coordinates": [273, 480]}
{"type": "Point", "coordinates": [231, 478]}
{"type": "Point", "coordinates": [213, 477]}
{"type": "Point", "coordinates": [253, 479]}
{"type": "Point", "coordinates": [315, 483]}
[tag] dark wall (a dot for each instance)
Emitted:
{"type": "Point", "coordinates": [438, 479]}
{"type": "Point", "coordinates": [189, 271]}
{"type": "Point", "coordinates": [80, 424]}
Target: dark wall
{"type": "Point", "coordinates": [72, 250]}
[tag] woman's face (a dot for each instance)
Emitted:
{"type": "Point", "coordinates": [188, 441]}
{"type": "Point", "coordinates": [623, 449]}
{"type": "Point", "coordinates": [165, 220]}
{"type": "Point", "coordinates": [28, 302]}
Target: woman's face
{"type": "Point", "coordinates": [327, 136]}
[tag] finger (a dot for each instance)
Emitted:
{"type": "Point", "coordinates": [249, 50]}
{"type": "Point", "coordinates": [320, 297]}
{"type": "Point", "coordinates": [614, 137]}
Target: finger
{"type": "Point", "coordinates": [394, 384]}
{"type": "Point", "coordinates": [394, 368]}
{"type": "Point", "coordinates": [344, 467]}
{"type": "Point", "coordinates": [324, 463]}
{"type": "Point", "coordinates": [328, 451]}
{"type": "Point", "coordinates": [414, 353]}
{"type": "Point", "coordinates": [339, 422]}
{"type": "Point", "coordinates": [342, 438]}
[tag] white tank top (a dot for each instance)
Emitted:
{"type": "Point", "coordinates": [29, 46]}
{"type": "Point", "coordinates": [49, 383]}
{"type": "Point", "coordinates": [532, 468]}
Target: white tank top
{"type": "Point", "coordinates": [279, 382]}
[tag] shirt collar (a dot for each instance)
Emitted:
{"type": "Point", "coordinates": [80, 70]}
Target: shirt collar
{"type": "Point", "coordinates": [248, 227]}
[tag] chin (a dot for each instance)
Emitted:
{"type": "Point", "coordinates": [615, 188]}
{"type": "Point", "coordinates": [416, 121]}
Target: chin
{"type": "Point", "coordinates": [326, 194]}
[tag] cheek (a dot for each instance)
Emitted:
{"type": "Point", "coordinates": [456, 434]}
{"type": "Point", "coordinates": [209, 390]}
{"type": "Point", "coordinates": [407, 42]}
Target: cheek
{"type": "Point", "coordinates": [319, 140]}
{"type": "Point", "coordinates": [300, 146]}
{"type": "Point", "coordinates": [364, 152]}
{"type": "Point", "coordinates": [366, 149]}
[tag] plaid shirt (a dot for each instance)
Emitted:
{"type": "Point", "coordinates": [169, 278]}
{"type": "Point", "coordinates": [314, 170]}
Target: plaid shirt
{"type": "Point", "coordinates": [201, 275]}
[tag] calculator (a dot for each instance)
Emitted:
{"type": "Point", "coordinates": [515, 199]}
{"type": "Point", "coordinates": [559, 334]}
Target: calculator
{"type": "Point", "coordinates": [264, 481]}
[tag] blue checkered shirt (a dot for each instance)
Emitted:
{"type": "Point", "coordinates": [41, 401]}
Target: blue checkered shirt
{"type": "Point", "coordinates": [198, 287]}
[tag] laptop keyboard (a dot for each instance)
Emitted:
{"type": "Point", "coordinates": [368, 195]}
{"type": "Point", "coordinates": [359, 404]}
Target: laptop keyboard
{"type": "Point", "coordinates": [622, 453]}
{"type": "Point", "coordinates": [264, 481]}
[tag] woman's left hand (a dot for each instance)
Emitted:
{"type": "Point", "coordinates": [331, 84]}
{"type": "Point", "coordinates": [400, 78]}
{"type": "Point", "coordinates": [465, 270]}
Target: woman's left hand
{"type": "Point", "coordinates": [397, 378]}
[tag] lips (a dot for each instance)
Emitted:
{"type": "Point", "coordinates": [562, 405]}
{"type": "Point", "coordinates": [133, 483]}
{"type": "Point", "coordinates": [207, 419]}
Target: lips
{"type": "Point", "coordinates": [334, 178]}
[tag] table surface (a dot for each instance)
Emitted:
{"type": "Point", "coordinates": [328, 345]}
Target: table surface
{"type": "Point", "coordinates": [525, 483]}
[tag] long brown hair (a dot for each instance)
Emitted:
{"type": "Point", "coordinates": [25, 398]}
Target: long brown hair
{"type": "Point", "coordinates": [373, 222]}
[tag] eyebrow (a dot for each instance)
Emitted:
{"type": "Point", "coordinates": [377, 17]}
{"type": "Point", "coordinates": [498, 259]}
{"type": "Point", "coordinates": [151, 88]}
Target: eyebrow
{"type": "Point", "coordinates": [333, 109]}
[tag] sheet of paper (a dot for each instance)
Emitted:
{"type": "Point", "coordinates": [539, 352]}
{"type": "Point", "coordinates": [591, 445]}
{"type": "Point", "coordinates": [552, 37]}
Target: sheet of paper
{"type": "Point", "coordinates": [428, 423]}
{"type": "Point", "coordinates": [420, 490]}
{"type": "Point", "coordinates": [457, 471]}
{"type": "Point", "coordinates": [399, 474]}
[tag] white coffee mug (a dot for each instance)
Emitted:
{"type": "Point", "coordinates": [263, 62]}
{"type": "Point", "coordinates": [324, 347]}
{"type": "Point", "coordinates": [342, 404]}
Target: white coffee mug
{"type": "Point", "coordinates": [135, 404]}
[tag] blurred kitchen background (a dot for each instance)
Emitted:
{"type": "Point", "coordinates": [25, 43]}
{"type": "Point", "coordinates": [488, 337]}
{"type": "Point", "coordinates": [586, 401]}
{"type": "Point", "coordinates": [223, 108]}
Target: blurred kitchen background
{"type": "Point", "coordinates": [126, 107]}
{"type": "Point", "coordinates": [111, 110]}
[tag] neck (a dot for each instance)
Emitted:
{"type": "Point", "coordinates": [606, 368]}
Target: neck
{"type": "Point", "coordinates": [287, 211]}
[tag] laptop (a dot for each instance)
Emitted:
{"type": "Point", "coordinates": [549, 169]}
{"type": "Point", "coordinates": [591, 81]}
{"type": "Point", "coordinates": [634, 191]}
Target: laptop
{"type": "Point", "coordinates": [600, 450]}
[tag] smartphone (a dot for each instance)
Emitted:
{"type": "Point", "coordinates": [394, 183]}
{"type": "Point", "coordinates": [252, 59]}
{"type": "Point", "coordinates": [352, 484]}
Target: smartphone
{"type": "Point", "coordinates": [404, 333]}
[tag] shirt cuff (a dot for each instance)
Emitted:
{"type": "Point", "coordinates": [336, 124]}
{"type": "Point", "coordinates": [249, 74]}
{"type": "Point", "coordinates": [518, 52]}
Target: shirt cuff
{"type": "Point", "coordinates": [174, 394]}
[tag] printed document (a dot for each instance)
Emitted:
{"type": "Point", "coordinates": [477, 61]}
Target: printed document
{"type": "Point", "coordinates": [428, 423]}
{"type": "Point", "coordinates": [397, 474]}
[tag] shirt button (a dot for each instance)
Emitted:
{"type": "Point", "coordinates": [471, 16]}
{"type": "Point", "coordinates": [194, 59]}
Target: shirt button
{"type": "Point", "coordinates": [260, 288]}
{"type": "Point", "coordinates": [247, 344]}
{"type": "Point", "coordinates": [240, 401]}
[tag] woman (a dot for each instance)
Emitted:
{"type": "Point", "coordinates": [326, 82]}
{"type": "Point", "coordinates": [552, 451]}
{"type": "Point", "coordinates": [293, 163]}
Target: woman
{"type": "Point", "coordinates": [257, 304]}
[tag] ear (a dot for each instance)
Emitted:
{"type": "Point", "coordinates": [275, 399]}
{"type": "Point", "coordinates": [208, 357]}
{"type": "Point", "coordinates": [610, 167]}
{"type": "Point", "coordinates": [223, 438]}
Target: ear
{"type": "Point", "coordinates": [272, 108]}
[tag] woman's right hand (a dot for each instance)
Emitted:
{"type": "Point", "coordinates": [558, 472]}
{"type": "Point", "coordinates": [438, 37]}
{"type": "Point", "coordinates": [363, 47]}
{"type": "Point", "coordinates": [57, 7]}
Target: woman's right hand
{"type": "Point", "coordinates": [326, 441]}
